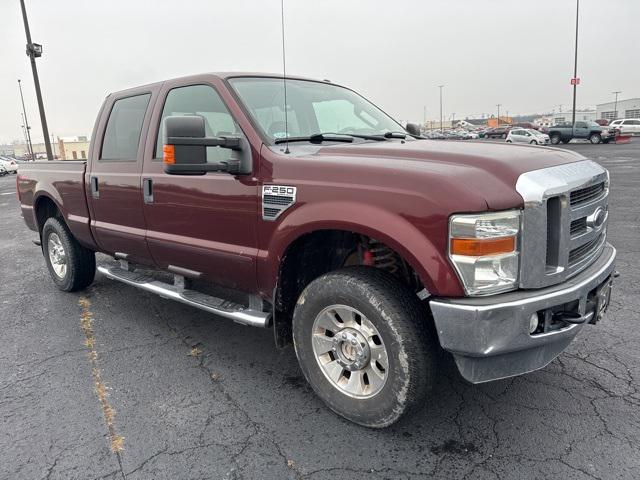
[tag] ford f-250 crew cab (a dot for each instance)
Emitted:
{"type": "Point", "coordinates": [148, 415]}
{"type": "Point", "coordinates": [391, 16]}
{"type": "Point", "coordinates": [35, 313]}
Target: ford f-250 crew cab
{"type": "Point", "coordinates": [368, 247]}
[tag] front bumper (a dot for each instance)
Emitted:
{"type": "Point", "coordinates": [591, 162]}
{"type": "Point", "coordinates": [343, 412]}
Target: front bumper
{"type": "Point", "coordinates": [489, 337]}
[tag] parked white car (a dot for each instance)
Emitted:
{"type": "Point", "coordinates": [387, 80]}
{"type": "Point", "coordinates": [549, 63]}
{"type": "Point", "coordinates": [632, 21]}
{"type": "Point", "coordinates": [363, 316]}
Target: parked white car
{"type": "Point", "coordinates": [9, 165]}
{"type": "Point", "coordinates": [527, 135]}
{"type": "Point", "coordinates": [627, 125]}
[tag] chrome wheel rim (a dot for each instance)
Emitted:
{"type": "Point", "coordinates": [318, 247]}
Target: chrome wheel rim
{"type": "Point", "coordinates": [57, 255]}
{"type": "Point", "coordinates": [350, 351]}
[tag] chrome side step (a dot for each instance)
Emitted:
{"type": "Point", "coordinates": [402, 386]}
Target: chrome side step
{"type": "Point", "coordinates": [218, 306]}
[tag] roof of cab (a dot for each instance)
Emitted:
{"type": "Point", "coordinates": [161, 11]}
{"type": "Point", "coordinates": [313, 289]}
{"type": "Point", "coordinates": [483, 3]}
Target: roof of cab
{"type": "Point", "coordinates": [221, 75]}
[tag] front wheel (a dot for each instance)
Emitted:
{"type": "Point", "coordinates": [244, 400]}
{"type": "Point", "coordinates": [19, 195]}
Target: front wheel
{"type": "Point", "coordinates": [362, 342]}
{"type": "Point", "coordinates": [533, 142]}
{"type": "Point", "coordinates": [72, 266]}
{"type": "Point", "coordinates": [595, 138]}
{"type": "Point", "coordinates": [509, 141]}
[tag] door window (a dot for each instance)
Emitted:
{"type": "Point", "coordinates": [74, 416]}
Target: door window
{"type": "Point", "coordinates": [204, 101]}
{"type": "Point", "coordinates": [122, 134]}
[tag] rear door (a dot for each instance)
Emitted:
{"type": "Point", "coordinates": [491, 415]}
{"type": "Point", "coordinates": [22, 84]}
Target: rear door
{"type": "Point", "coordinates": [631, 126]}
{"type": "Point", "coordinates": [114, 190]}
{"type": "Point", "coordinates": [204, 223]}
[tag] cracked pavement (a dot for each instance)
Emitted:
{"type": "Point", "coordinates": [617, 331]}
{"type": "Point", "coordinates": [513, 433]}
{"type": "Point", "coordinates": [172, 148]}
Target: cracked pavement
{"type": "Point", "coordinates": [236, 407]}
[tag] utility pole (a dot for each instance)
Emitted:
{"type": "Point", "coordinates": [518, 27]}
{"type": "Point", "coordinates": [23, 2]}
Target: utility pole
{"type": "Point", "coordinates": [575, 70]}
{"type": "Point", "coordinates": [440, 87]}
{"type": "Point", "coordinates": [498, 105]}
{"type": "Point", "coordinates": [615, 108]}
{"type": "Point", "coordinates": [424, 114]}
{"type": "Point", "coordinates": [24, 134]}
{"type": "Point", "coordinates": [26, 123]}
{"type": "Point", "coordinates": [53, 145]}
{"type": "Point", "coordinates": [34, 51]}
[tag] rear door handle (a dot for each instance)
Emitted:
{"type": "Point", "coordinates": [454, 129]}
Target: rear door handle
{"type": "Point", "coordinates": [95, 193]}
{"type": "Point", "coordinates": [147, 190]}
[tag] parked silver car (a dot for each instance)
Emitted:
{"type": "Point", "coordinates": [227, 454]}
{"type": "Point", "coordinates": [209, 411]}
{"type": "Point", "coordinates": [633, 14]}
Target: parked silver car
{"type": "Point", "coordinates": [527, 135]}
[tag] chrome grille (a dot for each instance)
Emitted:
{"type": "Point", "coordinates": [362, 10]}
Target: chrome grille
{"type": "Point", "coordinates": [583, 251]}
{"type": "Point", "coordinates": [587, 194]}
{"type": "Point", "coordinates": [560, 234]}
{"type": "Point", "coordinates": [578, 227]}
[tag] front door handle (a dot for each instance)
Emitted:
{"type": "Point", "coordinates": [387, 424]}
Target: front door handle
{"type": "Point", "coordinates": [95, 193]}
{"type": "Point", "coordinates": [147, 190]}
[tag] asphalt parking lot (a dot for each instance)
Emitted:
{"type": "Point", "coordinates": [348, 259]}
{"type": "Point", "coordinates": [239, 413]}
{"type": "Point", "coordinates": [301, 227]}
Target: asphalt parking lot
{"type": "Point", "coordinates": [182, 395]}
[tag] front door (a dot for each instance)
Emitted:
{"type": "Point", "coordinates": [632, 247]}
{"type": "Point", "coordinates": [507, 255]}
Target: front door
{"type": "Point", "coordinates": [114, 190]}
{"type": "Point", "coordinates": [204, 223]}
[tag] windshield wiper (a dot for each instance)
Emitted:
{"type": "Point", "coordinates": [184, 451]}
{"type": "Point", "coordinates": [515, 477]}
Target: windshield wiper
{"type": "Point", "coordinates": [318, 138]}
{"type": "Point", "coordinates": [395, 135]}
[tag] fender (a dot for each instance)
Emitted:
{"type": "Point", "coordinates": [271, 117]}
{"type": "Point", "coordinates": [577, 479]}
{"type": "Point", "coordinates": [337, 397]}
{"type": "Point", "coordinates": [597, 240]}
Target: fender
{"type": "Point", "coordinates": [78, 224]}
{"type": "Point", "coordinates": [395, 231]}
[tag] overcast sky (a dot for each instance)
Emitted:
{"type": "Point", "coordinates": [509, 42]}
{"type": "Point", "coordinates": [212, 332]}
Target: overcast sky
{"type": "Point", "coordinates": [517, 53]}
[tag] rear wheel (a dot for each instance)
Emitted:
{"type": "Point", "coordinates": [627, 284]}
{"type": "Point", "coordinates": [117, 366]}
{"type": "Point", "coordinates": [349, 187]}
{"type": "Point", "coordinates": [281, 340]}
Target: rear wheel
{"type": "Point", "coordinates": [72, 266]}
{"type": "Point", "coordinates": [555, 138]}
{"type": "Point", "coordinates": [595, 138]}
{"type": "Point", "coordinates": [533, 142]}
{"type": "Point", "coordinates": [509, 141]}
{"type": "Point", "coordinates": [361, 339]}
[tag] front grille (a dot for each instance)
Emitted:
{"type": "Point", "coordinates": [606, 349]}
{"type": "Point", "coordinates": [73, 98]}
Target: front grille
{"type": "Point", "coordinates": [557, 239]}
{"type": "Point", "coordinates": [578, 227]}
{"type": "Point", "coordinates": [584, 195]}
{"type": "Point", "coordinates": [583, 251]}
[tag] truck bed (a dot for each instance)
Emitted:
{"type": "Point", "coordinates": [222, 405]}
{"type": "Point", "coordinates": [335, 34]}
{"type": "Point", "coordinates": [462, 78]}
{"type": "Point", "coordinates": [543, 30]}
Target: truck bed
{"type": "Point", "coordinates": [64, 182]}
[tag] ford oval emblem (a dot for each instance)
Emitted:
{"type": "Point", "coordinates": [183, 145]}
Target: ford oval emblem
{"type": "Point", "coordinates": [597, 218]}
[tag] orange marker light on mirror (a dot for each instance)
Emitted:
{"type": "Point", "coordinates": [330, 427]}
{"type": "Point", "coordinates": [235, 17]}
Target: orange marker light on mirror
{"type": "Point", "coordinates": [477, 247]}
{"type": "Point", "coordinates": [169, 154]}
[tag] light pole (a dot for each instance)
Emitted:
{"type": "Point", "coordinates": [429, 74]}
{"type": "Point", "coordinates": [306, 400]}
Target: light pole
{"type": "Point", "coordinates": [498, 105]}
{"type": "Point", "coordinates": [34, 51]}
{"type": "Point", "coordinates": [575, 70]}
{"type": "Point", "coordinates": [24, 134]}
{"type": "Point", "coordinates": [53, 146]}
{"type": "Point", "coordinates": [26, 123]}
{"type": "Point", "coordinates": [615, 108]}
{"type": "Point", "coordinates": [440, 87]}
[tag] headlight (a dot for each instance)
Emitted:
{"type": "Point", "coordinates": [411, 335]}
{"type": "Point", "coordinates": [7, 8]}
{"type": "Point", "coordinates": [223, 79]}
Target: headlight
{"type": "Point", "coordinates": [484, 251]}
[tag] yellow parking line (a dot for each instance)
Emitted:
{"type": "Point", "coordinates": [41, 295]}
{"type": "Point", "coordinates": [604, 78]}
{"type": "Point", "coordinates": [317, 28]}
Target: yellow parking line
{"type": "Point", "coordinates": [86, 321]}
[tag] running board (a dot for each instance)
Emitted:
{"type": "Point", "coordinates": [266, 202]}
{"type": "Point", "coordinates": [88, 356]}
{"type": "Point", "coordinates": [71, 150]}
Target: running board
{"type": "Point", "coordinates": [218, 306]}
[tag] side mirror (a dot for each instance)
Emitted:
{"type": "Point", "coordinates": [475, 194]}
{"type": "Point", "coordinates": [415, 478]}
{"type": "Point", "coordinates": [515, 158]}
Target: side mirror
{"type": "Point", "coordinates": [185, 149]}
{"type": "Point", "coordinates": [413, 129]}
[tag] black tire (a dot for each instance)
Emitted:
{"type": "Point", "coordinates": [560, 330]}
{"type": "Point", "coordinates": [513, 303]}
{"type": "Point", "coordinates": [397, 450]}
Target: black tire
{"type": "Point", "coordinates": [80, 261]}
{"type": "Point", "coordinates": [509, 141]}
{"type": "Point", "coordinates": [595, 138]}
{"type": "Point", "coordinates": [402, 324]}
{"type": "Point", "coordinates": [555, 138]}
{"type": "Point", "coordinates": [566, 140]}
{"type": "Point", "coordinates": [533, 142]}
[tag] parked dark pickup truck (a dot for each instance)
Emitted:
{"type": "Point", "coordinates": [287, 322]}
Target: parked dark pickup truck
{"type": "Point", "coordinates": [591, 131]}
{"type": "Point", "coordinates": [367, 246]}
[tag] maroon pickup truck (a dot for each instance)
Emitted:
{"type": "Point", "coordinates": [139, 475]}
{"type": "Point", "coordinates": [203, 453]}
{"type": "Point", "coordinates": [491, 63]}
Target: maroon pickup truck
{"type": "Point", "coordinates": [368, 247]}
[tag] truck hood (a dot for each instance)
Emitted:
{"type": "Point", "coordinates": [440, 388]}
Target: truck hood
{"type": "Point", "coordinates": [488, 170]}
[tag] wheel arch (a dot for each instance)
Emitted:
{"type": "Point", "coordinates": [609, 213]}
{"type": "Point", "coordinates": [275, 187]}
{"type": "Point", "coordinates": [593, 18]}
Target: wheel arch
{"type": "Point", "coordinates": [302, 251]}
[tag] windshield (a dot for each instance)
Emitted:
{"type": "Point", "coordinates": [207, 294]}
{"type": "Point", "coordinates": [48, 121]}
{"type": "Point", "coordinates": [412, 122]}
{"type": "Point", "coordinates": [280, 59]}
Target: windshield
{"type": "Point", "coordinates": [313, 107]}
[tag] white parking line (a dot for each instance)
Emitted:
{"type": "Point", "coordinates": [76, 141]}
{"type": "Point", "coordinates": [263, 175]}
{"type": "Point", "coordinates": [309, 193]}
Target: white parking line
{"type": "Point", "coordinates": [8, 193]}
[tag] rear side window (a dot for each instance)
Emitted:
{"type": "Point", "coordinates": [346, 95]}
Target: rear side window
{"type": "Point", "coordinates": [122, 134]}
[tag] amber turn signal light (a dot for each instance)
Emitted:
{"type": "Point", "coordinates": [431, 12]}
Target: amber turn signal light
{"type": "Point", "coordinates": [477, 247]}
{"type": "Point", "coordinates": [169, 154]}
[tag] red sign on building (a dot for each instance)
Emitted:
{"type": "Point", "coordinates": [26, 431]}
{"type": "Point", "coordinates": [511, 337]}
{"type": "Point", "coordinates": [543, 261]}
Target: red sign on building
{"type": "Point", "coordinates": [575, 81]}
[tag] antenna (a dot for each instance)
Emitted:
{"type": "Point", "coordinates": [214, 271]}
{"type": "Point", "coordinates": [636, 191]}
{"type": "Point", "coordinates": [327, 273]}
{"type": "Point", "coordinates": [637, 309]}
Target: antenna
{"type": "Point", "coordinates": [284, 80]}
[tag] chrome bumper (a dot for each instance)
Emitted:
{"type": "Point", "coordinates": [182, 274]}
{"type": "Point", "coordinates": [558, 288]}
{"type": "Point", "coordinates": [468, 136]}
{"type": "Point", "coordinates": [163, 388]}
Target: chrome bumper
{"type": "Point", "coordinates": [489, 337]}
